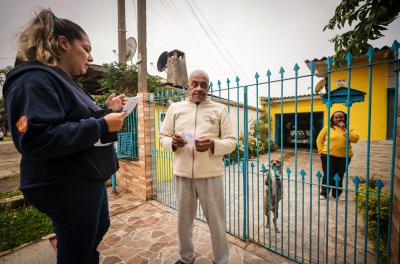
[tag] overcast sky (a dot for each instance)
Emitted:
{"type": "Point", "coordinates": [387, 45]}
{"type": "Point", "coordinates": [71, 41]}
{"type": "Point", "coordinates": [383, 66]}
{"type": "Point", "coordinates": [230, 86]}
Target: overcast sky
{"type": "Point", "coordinates": [226, 37]}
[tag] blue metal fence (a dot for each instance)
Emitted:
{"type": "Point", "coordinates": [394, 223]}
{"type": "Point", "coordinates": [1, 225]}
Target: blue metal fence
{"type": "Point", "coordinates": [306, 228]}
{"type": "Point", "coordinates": [127, 144]}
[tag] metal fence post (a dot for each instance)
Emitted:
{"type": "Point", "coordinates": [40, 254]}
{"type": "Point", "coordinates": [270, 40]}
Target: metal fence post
{"type": "Point", "coordinates": [245, 167]}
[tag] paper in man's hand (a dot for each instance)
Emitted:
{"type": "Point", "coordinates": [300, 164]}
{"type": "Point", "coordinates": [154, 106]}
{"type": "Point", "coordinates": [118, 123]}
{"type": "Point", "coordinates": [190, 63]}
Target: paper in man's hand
{"type": "Point", "coordinates": [189, 137]}
{"type": "Point", "coordinates": [130, 104]}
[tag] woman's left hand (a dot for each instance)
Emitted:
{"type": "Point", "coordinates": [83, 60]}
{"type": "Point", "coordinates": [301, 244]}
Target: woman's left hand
{"type": "Point", "coordinates": [116, 102]}
{"type": "Point", "coordinates": [342, 125]}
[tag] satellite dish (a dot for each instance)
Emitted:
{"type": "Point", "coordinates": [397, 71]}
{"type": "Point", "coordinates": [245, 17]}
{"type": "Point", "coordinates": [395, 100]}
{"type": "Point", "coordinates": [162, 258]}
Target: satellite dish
{"type": "Point", "coordinates": [320, 85]}
{"type": "Point", "coordinates": [162, 61]}
{"type": "Point", "coordinates": [131, 46]}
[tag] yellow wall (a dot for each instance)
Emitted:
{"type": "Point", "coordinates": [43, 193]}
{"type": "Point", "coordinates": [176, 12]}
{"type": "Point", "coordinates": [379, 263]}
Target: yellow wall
{"type": "Point", "coordinates": [358, 111]}
{"type": "Point", "coordinates": [163, 158]}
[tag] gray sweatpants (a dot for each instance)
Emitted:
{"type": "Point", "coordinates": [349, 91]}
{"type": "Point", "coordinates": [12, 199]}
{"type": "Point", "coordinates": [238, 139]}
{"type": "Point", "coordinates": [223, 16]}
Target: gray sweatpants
{"type": "Point", "coordinates": [210, 192]}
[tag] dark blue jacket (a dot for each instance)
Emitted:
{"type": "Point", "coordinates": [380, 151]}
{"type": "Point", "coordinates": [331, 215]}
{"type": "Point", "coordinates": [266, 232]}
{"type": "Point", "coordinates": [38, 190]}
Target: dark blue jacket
{"type": "Point", "coordinates": [57, 141]}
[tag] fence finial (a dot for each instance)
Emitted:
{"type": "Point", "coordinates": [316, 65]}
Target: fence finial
{"type": "Point", "coordinates": [281, 71]}
{"type": "Point", "coordinates": [296, 68]}
{"type": "Point", "coordinates": [288, 171]}
{"type": "Point", "coordinates": [319, 175]}
{"type": "Point", "coordinates": [329, 62]}
{"type": "Point", "coordinates": [395, 47]}
{"type": "Point", "coordinates": [312, 67]}
{"type": "Point", "coordinates": [303, 174]}
{"type": "Point", "coordinates": [356, 181]}
{"type": "Point", "coordinates": [379, 185]}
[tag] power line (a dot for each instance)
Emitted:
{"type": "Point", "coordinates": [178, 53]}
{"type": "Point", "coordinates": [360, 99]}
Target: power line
{"type": "Point", "coordinates": [215, 44]}
{"type": "Point", "coordinates": [209, 37]}
{"type": "Point", "coordinates": [216, 35]}
{"type": "Point", "coordinates": [178, 19]}
{"type": "Point", "coordinates": [183, 25]}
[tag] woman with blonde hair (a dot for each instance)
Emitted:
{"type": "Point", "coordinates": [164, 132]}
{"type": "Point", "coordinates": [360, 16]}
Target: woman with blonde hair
{"type": "Point", "coordinates": [63, 135]}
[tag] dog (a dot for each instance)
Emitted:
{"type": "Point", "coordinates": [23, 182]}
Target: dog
{"type": "Point", "coordinates": [273, 191]}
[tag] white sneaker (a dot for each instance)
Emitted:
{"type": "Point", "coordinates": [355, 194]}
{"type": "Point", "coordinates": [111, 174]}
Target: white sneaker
{"type": "Point", "coordinates": [322, 197]}
{"type": "Point", "coordinates": [342, 198]}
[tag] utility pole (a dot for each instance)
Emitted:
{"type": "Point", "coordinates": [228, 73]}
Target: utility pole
{"type": "Point", "coordinates": [121, 32]}
{"type": "Point", "coordinates": [142, 50]}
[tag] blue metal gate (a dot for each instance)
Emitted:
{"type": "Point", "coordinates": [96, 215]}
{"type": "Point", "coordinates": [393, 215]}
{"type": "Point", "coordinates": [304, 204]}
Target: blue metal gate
{"type": "Point", "coordinates": [308, 228]}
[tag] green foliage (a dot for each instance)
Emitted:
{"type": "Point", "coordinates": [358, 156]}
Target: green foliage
{"type": "Point", "coordinates": [3, 73]}
{"type": "Point", "coordinates": [234, 154]}
{"type": "Point", "coordinates": [22, 225]}
{"type": "Point", "coordinates": [257, 139]}
{"type": "Point", "coordinates": [371, 18]}
{"type": "Point", "coordinates": [260, 131]}
{"type": "Point", "coordinates": [3, 114]}
{"type": "Point", "coordinates": [122, 78]}
{"type": "Point", "coordinates": [10, 193]}
{"type": "Point", "coordinates": [154, 83]}
{"type": "Point", "coordinates": [373, 215]}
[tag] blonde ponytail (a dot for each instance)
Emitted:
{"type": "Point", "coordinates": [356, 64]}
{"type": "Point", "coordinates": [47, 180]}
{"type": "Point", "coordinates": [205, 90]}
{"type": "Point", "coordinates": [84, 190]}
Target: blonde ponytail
{"type": "Point", "coordinates": [39, 41]}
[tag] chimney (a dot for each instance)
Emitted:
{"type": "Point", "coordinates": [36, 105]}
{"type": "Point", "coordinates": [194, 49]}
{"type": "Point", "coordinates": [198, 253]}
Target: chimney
{"type": "Point", "coordinates": [176, 68]}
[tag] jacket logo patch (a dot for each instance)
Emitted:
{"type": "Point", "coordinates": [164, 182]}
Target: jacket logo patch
{"type": "Point", "coordinates": [22, 124]}
{"type": "Point", "coordinates": [209, 119]}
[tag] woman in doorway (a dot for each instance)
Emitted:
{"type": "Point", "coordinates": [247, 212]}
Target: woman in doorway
{"type": "Point", "coordinates": [63, 135]}
{"type": "Point", "coordinates": [337, 152]}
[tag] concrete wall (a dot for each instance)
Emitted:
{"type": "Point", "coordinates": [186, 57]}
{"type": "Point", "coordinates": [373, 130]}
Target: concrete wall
{"type": "Point", "coordinates": [380, 160]}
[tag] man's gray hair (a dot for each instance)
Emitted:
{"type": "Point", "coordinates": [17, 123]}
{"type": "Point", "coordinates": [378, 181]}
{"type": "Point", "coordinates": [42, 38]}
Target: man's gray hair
{"type": "Point", "coordinates": [199, 72]}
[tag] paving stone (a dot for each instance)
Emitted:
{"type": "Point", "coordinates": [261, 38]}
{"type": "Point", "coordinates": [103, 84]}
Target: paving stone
{"type": "Point", "coordinates": [157, 234]}
{"type": "Point", "coordinates": [129, 253]}
{"type": "Point", "coordinates": [137, 260]}
{"type": "Point", "coordinates": [111, 239]}
{"type": "Point", "coordinates": [158, 246]}
{"type": "Point", "coordinates": [111, 260]}
{"type": "Point", "coordinates": [203, 260]}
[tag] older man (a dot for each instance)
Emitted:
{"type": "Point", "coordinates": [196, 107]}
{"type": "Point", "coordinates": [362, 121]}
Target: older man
{"type": "Point", "coordinates": [198, 165]}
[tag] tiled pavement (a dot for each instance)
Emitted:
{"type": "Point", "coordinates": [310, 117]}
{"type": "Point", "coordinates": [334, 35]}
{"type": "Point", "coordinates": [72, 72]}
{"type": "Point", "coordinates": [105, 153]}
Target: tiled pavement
{"type": "Point", "coordinates": [145, 232]}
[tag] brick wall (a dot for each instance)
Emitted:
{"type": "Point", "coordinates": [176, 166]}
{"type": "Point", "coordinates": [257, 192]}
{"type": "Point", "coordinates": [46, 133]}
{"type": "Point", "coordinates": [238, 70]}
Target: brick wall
{"type": "Point", "coordinates": [380, 160]}
{"type": "Point", "coordinates": [135, 176]}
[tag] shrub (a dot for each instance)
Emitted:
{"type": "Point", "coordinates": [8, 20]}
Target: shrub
{"type": "Point", "coordinates": [123, 78]}
{"type": "Point", "coordinates": [10, 193]}
{"type": "Point", "coordinates": [252, 147]}
{"type": "Point", "coordinates": [22, 225]}
{"type": "Point", "coordinates": [373, 215]}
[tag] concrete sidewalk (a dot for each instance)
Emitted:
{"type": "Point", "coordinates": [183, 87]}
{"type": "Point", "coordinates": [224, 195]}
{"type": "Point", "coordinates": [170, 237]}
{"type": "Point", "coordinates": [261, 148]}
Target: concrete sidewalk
{"type": "Point", "coordinates": [9, 166]}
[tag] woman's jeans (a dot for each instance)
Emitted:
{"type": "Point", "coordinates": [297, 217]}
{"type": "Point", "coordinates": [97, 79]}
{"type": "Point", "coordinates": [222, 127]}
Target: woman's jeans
{"type": "Point", "coordinates": [337, 165]}
{"type": "Point", "coordinates": [80, 219]}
